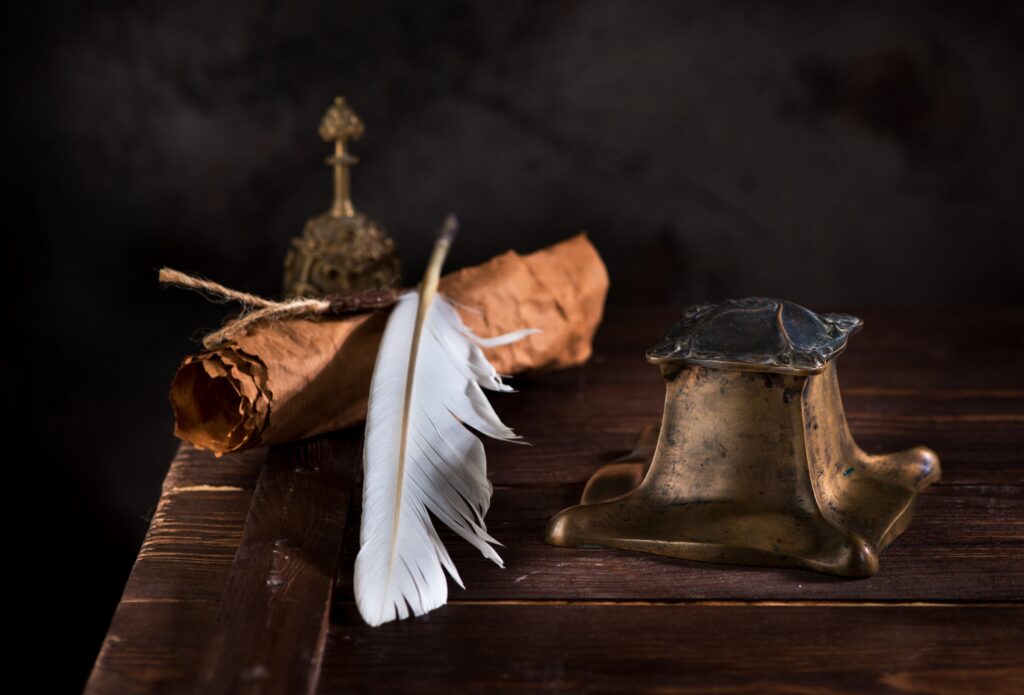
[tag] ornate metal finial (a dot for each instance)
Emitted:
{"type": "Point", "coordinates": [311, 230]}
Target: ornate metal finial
{"type": "Point", "coordinates": [341, 249]}
{"type": "Point", "coordinates": [341, 124]}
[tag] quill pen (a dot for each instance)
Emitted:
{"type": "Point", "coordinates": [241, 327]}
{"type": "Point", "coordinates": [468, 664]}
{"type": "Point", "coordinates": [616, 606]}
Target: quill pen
{"type": "Point", "coordinates": [419, 455]}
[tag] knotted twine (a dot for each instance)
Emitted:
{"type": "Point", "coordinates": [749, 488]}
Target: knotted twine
{"type": "Point", "coordinates": [257, 310]}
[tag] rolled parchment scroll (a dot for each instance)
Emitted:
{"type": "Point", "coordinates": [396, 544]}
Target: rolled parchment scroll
{"type": "Point", "coordinates": [296, 378]}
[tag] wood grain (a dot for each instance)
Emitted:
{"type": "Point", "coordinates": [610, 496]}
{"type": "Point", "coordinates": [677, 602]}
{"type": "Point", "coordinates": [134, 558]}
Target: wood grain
{"type": "Point", "coordinates": [677, 648]}
{"type": "Point", "coordinates": [158, 634]}
{"type": "Point", "coordinates": [272, 620]}
{"type": "Point", "coordinates": [944, 613]}
{"type": "Point", "coordinates": [966, 543]}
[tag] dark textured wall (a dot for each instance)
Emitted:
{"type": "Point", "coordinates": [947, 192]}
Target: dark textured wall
{"type": "Point", "coordinates": [837, 154]}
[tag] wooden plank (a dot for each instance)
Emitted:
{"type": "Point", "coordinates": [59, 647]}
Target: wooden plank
{"type": "Point", "coordinates": [271, 623]}
{"type": "Point", "coordinates": [971, 454]}
{"type": "Point", "coordinates": [964, 544]}
{"type": "Point", "coordinates": [675, 648]}
{"type": "Point", "coordinates": [158, 631]}
{"type": "Point", "coordinates": [153, 646]}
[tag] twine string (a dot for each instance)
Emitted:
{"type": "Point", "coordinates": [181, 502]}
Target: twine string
{"type": "Point", "coordinates": [255, 309]}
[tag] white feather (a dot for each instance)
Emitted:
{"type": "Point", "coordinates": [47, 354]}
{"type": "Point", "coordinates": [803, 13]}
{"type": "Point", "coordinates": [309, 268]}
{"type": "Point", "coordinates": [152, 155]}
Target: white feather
{"type": "Point", "coordinates": [398, 571]}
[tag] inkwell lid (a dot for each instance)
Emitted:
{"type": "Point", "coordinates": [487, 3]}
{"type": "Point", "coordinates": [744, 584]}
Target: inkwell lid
{"type": "Point", "coordinates": [756, 334]}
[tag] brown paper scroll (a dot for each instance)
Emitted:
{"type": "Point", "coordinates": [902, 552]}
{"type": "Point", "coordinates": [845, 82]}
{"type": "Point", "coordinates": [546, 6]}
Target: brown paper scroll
{"type": "Point", "coordinates": [297, 378]}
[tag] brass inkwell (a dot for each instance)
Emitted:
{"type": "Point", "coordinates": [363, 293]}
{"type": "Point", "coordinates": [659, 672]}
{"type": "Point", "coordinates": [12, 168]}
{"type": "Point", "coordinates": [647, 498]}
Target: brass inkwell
{"type": "Point", "coordinates": [754, 463]}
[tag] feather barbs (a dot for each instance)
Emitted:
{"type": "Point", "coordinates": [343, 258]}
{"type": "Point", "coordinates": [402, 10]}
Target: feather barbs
{"type": "Point", "coordinates": [422, 458]}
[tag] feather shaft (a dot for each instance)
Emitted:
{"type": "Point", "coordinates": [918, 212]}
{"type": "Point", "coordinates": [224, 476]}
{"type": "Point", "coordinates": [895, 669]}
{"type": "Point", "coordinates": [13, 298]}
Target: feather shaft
{"type": "Point", "coordinates": [428, 289]}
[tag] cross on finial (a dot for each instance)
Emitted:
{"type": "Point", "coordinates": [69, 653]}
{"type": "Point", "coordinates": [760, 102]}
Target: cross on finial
{"type": "Point", "coordinates": [341, 124]}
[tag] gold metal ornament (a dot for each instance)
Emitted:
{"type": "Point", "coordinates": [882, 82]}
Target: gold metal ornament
{"type": "Point", "coordinates": [341, 249]}
{"type": "Point", "coordinates": [754, 462]}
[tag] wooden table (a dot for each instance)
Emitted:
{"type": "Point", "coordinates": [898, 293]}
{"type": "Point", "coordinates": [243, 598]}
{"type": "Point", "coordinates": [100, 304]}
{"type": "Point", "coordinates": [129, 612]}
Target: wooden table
{"type": "Point", "coordinates": [233, 588]}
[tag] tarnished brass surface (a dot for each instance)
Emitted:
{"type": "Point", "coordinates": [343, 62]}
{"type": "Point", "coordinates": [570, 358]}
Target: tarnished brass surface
{"type": "Point", "coordinates": [753, 467]}
{"type": "Point", "coordinates": [341, 249]}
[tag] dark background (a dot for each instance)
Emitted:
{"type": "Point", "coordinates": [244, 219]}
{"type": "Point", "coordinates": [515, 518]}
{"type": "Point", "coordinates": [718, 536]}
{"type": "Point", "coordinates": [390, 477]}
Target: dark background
{"type": "Point", "coordinates": [836, 154]}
